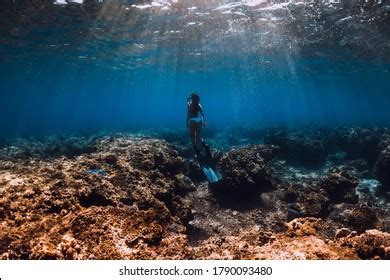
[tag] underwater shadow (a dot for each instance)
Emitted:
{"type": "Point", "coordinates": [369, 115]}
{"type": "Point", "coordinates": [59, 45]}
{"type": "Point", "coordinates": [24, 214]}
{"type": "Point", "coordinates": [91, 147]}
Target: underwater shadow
{"type": "Point", "coordinates": [235, 201]}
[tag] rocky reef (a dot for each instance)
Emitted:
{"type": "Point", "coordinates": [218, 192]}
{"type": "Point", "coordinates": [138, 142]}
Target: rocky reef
{"type": "Point", "coordinates": [299, 148]}
{"type": "Point", "coordinates": [106, 204]}
{"type": "Point", "coordinates": [300, 241]}
{"type": "Point", "coordinates": [382, 168]}
{"type": "Point", "coordinates": [125, 196]}
{"type": "Point", "coordinates": [245, 174]}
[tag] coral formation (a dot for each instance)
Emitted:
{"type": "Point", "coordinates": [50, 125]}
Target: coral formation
{"type": "Point", "coordinates": [340, 186]}
{"type": "Point", "coordinates": [136, 201]}
{"type": "Point", "coordinates": [382, 168]}
{"type": "Point", "coordinates": [132, 197]}
{"type": "Point", "coordinates": [245, 174]}
{"type": "Point", "coordinates": [299, 149]}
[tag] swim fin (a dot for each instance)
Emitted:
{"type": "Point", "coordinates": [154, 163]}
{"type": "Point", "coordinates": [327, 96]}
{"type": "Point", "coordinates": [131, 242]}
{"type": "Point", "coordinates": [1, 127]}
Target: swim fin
{"type": "Point", "coordinates": [211, 174]}
{"type": "Point", "coordinates": [207, 150]}
{"type": "Point", "coordinates": [207, 165]}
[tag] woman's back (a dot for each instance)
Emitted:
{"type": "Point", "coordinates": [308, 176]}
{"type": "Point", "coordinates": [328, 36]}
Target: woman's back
{"type": "Point", "coordinates": [193, 110]}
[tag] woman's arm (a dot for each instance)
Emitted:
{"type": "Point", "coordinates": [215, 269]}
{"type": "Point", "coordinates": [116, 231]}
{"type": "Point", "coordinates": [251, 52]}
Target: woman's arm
{"type": "Point", "coordinates": [188, 112]}
{"type": "Point", "coordinates": [202, 114]}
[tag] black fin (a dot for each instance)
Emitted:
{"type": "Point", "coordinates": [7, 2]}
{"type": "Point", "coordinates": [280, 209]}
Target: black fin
{"type": "Point", "coordinates": [198, 155]}
{"type": "Point", "coordinates": [207, 150]}
{"type": "Point", "coordinates": [206, 163]}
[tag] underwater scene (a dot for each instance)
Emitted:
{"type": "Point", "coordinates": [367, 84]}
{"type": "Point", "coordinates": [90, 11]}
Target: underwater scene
{"type": "Point", "coordinates": [195, 129]}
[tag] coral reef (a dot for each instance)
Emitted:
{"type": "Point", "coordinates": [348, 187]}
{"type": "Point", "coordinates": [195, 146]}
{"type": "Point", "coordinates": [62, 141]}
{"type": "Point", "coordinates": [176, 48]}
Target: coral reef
{"type": "Point", "coordinates": [382, 168]}
{"type": "Point", "coordinates": [57, 209]}
{"type": "Point", "coordinates": [340, 186]}
{"type": "Point", "coordinates": [135, 197]}
{"type": "Point", "coordinates": [300, 241]}
{"type": "Point", "coordinates": [245, 174]}
{"type": "Point", "coordinates": [307, 200]}
{"type": "Point", "coordinates": [299, 149]}
{"type": "Point", "coordinates": [359, 142]}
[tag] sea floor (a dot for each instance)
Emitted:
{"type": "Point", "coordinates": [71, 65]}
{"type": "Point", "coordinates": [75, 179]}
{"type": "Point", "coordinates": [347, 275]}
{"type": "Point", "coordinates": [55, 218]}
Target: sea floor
{"type": "Point", "coordinates": [286, 193]}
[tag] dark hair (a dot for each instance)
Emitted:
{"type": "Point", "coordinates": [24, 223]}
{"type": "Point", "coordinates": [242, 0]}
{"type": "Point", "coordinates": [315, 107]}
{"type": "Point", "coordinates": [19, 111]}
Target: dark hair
{"type": "Point", "coordinates": [195, 99]}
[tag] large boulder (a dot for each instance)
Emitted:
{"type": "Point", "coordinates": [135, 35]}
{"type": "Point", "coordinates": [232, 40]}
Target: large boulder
{"type": "Point", "coordinates": [245, 173]}
{"type": "Point", "coordinates": [340, 184]}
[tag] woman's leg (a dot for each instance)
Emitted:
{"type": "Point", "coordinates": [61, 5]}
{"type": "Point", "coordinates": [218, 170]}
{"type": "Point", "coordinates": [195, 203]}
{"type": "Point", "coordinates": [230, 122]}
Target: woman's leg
{"type": "Point", "coordinates": [193, 134]}
{"type": "Point", "coordinates": [198, 133]}
{"type": "Point", "coordinates": [192, 128]}
{"type": "Point", "coordinates": [192, 131]}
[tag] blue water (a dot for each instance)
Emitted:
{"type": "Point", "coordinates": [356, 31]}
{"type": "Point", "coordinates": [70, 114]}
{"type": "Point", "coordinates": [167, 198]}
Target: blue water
{"type": "Point", "coordinates": [47, 86]}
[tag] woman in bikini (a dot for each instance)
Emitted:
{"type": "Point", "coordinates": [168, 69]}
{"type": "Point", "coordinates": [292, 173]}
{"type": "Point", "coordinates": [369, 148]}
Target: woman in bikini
{"type": "Point", "coordinates": [195, 121]}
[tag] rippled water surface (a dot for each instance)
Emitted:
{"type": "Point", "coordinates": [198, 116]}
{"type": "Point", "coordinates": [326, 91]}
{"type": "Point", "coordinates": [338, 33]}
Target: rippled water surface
{"type": "Point", "coordinates": [77, 65]}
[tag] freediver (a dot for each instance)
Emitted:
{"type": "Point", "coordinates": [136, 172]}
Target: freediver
{"type": "Point", "coordinates": [195, 122]}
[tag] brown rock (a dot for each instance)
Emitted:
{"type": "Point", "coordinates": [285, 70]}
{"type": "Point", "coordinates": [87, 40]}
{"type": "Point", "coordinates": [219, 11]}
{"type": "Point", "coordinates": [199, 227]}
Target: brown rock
{"type": "Point", "coordinates": [340, 186]}
{"type": "Point", "coordinates": [303, 226]}
{"type": "Point", "coordinates": [245, 174]}
{"type": "Point", "coordinates": [370, 244]}
{"type": "Point", "coordinates": [343, 232]}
